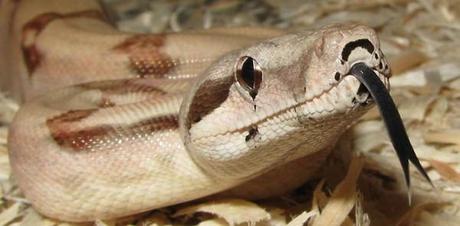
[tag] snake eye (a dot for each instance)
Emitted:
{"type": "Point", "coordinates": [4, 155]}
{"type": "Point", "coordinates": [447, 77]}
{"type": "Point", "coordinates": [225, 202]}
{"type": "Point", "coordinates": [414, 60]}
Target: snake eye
{"type": "Point", "coordinates": [248, 75]}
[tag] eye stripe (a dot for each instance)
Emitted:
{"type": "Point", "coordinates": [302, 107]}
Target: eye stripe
{"type": "Point", "coordinates": [349, 47]}
{"type": "Point", "coordinates": [208, 97]}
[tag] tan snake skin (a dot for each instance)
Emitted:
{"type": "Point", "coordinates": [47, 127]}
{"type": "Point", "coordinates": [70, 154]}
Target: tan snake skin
{"type": "Point", "coordinates": [147, 121]}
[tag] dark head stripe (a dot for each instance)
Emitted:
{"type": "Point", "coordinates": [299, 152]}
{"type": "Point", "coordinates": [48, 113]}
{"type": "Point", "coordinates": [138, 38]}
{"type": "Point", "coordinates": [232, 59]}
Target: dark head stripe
{"type": "Point", "coordinates": [208, 97]}
{"type": "Point", "coordinates": [349, 47]}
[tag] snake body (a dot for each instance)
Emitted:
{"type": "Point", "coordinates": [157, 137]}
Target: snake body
{"type": "Point", "coordinates": [116, 123]}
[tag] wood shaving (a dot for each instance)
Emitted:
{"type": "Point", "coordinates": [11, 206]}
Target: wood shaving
{"type": "Point", "coordinates": [303, 218]}
{"type": "Point", "coordinates": [233, 211]}
{"type": "Point", "coordinates": [443, 137]}
{"type": "Point", "coordinates": [407, 60]}
{"type": "Point", "coordinates": [213, 222]}
{"type": "Point", "coordinates": [445, 170]}
{"type": "Point", "coordinates": [343, 198]}
{"type": "Point", "coordinates": [9, 214]}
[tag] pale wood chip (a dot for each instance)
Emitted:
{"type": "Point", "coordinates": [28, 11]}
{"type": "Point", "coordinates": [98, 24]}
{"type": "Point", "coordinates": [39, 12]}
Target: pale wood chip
{"type": "Point", "coordinates": [277, 218]}
{"type": "Point", "coordinates": [156, 219]}
{"type": "Point", "coordinates": [343, 198]}
{"type": "Point", "coordinates": [426, 152]}
{"type": "Point", "coordinates": [319, 198]}
{"type": "Point", "coordinates": [361, 218]}
{"type": "Point", "coordinates": [5, 170]}
{"type": "Point", "coordinates": [8, 108]}
{"type": "Point", "coordinates": [449, 71]}
{"type": "Point", "coordinates": [32, 218]}
{"type": "Point", "coordinates": [213, 222]}
{"type": "Point", "coordinates": [455, 85]}
{"type": "Point", "coordinates": [407, 60]}
{"type": "Point", "coordinates": [438, 110]}
{"type": "Point", "coordinates": [445, 170]}
{"type": "Point", "coordinates": [234, 211]}
{"type": "Point", "coordinates": [104, 223]}
{"type": "Point", "coordinates": [302, 218]}
{"type": "Point", "coordinates": [3, 135]}
{"type": "Point", "coordinates": [415, 108]}
{"type": "Point", "coordinates": [10, 214]}
{"type": "Point", "coordinates": [444, 137]}
{"type": "Point", "coordinates": [414, 78]}
{"type": "Point", "coordinates": [427, 80]}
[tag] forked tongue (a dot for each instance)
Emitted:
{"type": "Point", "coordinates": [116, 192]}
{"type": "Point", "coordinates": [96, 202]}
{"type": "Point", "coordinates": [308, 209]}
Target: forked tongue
{"type": "Point", "coordinates": [392, 120]}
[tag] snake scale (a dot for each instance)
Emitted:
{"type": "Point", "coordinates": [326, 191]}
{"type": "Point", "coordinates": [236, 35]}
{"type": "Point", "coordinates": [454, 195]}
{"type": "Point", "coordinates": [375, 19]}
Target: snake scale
{"type": "Point", "coordinates": [117, 123]}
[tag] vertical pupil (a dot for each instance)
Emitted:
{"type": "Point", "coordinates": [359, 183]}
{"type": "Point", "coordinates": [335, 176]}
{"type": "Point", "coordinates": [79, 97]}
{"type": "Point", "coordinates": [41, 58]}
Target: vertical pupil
{"type": "Point", "coordinates": [247, 72]}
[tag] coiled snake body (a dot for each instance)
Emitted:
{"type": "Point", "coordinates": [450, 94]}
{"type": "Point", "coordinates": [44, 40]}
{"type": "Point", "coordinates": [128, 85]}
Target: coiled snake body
{"type": "Point", "coordinates": [146, 121]}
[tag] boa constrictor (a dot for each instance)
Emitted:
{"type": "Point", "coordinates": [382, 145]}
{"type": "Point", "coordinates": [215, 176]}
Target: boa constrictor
{"type": "Point", "coordinates": [150, 120]}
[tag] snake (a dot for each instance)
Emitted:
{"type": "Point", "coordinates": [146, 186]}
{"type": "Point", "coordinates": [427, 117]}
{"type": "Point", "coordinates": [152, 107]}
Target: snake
{"type": "Point", "coordinates": [116, 123]}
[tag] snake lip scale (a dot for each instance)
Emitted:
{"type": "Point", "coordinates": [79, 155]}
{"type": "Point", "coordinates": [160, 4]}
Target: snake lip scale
{"type": "Point", "coordinates": [115, 123]}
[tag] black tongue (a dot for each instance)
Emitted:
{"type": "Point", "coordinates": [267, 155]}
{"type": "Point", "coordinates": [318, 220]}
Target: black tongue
{"type": "Point", "coordinates": [391, 118]}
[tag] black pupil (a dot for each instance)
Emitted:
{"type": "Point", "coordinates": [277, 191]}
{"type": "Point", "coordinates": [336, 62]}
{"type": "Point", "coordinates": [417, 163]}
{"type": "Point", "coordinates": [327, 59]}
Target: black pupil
{"type": "Point", "coordinates": [247, 72]}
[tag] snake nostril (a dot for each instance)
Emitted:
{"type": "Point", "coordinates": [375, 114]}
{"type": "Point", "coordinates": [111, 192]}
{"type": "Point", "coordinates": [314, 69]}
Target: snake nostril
{"type": "Point", "coordinates": [337, 76]}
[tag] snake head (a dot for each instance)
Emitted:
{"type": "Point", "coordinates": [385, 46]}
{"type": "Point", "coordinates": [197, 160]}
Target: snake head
{"type": "Point", "coordinates": [279, 100]}
{"type": "Point", "coordinates": [334, 54]}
